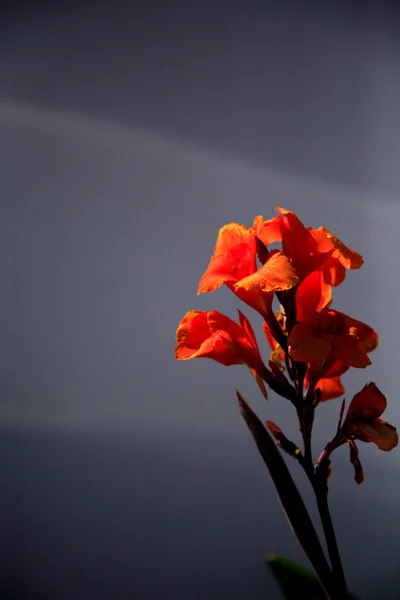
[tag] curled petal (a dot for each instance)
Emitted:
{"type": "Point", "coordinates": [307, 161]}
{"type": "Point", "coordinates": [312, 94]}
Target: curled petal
{"type": "Point", "coordinates": [192, 335]}
{"type": "Point", "coordinates": [276, 274]}
{"type": "Point", "coordinates": [268, 231]}
{"type": "Point", "coordinates": [211, 334]}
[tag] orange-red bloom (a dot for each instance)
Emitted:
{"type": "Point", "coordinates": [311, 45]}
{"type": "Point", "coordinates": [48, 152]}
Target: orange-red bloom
{"type": "Point", "coordinates": [210, 334]}
{"type": "Point", "coordinates": [235, 264]}
{"type": "Point", "coordinates": [330, 343]}
{"type": "Point", "coordinates": [363, 422]}
{"type": "Point", "coordinates": [312, 261]}
{"type": "Point", "coordinates": [332, 335]}
{"type": "Point", "coordinates": [320, 260]}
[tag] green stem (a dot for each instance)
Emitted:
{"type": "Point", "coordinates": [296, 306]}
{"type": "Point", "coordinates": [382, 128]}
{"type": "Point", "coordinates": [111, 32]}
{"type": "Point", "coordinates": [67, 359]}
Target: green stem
{"type": "Point", "coordinates": [320, 488]}
{"type": "Point", "coordinates": [330, 537]}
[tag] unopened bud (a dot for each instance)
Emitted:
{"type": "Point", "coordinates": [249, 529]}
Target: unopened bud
{"type": "Point", "coordinates": [282, 440]}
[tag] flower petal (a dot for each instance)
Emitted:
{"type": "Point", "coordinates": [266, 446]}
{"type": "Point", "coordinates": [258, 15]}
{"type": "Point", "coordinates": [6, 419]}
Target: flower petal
{"type": "Point", "coordinates": [303, 346]}
{"type": "Point", "coordinates": [191, 333]}
{"type": "Point", "coordinates": [331, 387]}
{"type": "Point", "coordinates": [312, 294]}
{"type": "Point", "coordinates": [327, 242]}
{"type": "Point", "coordinates": [348, 350]}
{"type": "Point", "coordinates": [234, 258]}
{"type": "Point", "coordinates": [276, 274]}
{"type": "Point", "coordinates": [210, 334]}
{"type": "Point", "coordinates": [380, 432]}
{"type": "Point", "coordinates": [268, 231]}
{"type": "Point", "coordinates": [196, 340]}
{"type": "Point", "coordinates": [297, 242]}
{"type": "Point", "coordinates": [355, 461]}
{"type": "Point", "coordinates": [368, 404]}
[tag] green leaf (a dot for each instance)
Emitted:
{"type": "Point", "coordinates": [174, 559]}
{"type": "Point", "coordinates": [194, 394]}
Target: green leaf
{"type": "Point", "coordinates": [296, 582]}
{"type": "Point", "coordinates": [291, 499]}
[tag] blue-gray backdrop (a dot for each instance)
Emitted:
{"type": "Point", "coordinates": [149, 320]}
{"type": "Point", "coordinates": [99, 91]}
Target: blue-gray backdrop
{"type": "Point", "coordinates": [129, 135]}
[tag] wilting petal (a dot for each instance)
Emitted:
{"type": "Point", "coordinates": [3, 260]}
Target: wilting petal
{"type": "Point", "coordinates": [380, 432]}
{"type": "Point", "coordinates": [368, 404]}
{"type": "Point", "coordinates": [355, 461]}
{"type": "Point", "coordinates": [303, 346]}
{"type": "Point", "coordinates": [276, 274]}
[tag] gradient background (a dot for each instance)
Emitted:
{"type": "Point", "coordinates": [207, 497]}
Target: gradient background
{"type": "Point", "coordinates": [128, 136]}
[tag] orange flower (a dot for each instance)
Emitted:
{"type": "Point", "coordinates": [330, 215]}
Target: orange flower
{"type": "Point", "coordinates": [363, 422]}
{"type": "Point", "coordinates": [331, 337]}
{"type": "Point", "coordinates": [234, 264]}
{"type": "Point", "coordinates": [210, 334]}
{"type": "Point", "coordinates": [319, 258]}
{"type": "Point", "coordinates": [330, 343]}
{"type": "Point", "coordinates": [330, 385]}
{"type": "Point", "coordinates": [313, 260]}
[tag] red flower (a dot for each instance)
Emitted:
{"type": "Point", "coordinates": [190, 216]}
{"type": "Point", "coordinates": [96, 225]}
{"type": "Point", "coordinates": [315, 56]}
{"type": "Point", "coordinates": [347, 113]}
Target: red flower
{"type": "Point", "coordinates": [330, 343]}
{"type": "Point", "coordinates": [235, 264]}
{"type": "Point", "coordinates": [363, 422]}
{"type": "Point", "coordinates": [319, 258]}
{"type": "Point", "coordinates": [210, 334]}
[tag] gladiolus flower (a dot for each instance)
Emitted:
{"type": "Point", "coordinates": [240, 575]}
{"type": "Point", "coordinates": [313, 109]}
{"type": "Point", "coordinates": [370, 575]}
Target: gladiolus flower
{"type": "Point", "coordinates": [210, 334]}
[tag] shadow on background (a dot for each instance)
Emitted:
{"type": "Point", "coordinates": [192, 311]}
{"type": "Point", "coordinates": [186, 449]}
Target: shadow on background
{"type": "Point", "coordinates": [158, 516]}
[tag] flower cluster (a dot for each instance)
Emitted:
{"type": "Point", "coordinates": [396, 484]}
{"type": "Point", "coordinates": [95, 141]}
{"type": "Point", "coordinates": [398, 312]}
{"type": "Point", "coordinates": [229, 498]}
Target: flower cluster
{"type": "Point", "coordinates": [312, 344]}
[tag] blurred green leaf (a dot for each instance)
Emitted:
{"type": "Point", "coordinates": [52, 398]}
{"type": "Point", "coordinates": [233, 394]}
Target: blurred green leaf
{"type": "Point", "coordinates": [296, 582]}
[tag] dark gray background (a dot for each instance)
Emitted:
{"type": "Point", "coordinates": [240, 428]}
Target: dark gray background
{"type": "Point", "coordinates": [129, 135]}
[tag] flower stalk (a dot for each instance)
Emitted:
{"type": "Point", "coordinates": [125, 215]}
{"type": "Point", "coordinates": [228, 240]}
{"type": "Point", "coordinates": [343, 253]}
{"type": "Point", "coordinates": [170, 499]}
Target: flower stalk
{"type": "Point", "coordinates": [314, 343]}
